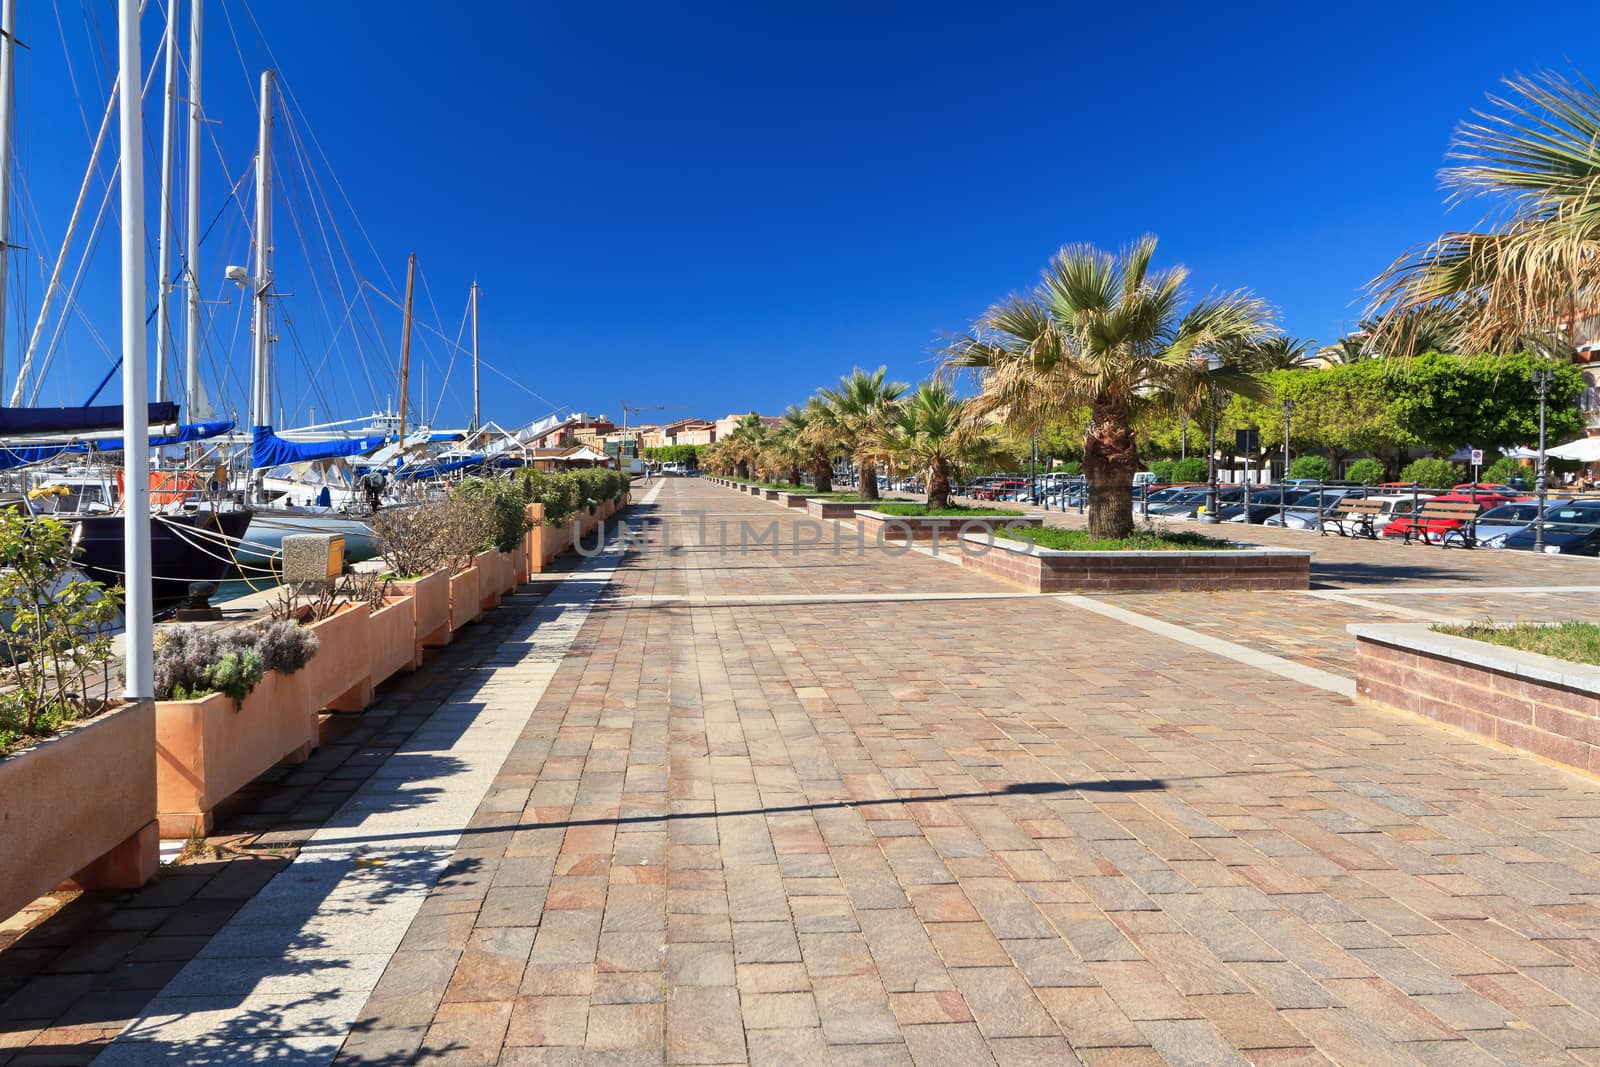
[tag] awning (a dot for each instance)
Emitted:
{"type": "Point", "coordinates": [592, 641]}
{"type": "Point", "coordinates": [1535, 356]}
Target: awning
{"type": "Point", "coordinates": [1584, 450]}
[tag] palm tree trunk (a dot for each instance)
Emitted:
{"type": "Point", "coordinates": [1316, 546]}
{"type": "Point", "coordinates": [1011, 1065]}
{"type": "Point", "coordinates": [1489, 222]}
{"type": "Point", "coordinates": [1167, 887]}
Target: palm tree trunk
{"type": "Point", "coordinates": [794, 474]}
{"type": "Point", "coordinates": [1110, 458]}
{"type": "Point", "coordinates": [938, 484]}
{"type": "Point", "coordinates": [741, 469]}
{"type": "Point", "coordinates": [867, 468]}
{"type": "Point", "coordinates": [822, 472]}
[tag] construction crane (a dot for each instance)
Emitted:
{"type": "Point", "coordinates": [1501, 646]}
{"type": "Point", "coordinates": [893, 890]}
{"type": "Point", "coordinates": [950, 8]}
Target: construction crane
{"type": "Point", "coordinates": [636, 408]}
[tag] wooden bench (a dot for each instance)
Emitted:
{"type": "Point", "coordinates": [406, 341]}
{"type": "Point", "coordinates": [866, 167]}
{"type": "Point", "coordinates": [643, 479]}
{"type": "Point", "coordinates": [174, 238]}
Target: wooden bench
{"type": "Point", "coordinates": [1353, 517]}
{"type": "Point", "coordinates": [1440, 521]}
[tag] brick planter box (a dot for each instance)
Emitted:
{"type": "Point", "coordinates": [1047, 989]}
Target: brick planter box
{"type": "Point", "coordinates": [876, 526]}
{"type": "Point", "coordinates": [836, 509]}
{"type": "Point", "coordinates": [793, 500]}
{"type": "Point", "coordinates": [1538, 704]}
{"type": "Point", "coordinates": [1047, 570]}
{"type": "Point", "coordinates": [80, 807]}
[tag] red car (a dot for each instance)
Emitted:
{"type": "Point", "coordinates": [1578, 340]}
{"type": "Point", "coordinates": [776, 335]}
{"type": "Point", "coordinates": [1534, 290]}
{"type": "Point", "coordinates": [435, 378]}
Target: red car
{"type": "Point", "coordinates": [1433, 530]}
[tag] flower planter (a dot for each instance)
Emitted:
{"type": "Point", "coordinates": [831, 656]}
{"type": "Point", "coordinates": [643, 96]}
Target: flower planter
{"type": "Point", "coordinates": [209, 749]}
{"type": "Point", "coordinates": [1048, 570]}
{"type": "Point", "coordinates": [488, 565]}
{"type": "Point", "coordinates": [466, 604]}
{"type": "Point", "coordinates": [431, 597]}
{"type": "Point", "coordinates": [546, 543]}
{"type": "Point", "coordinates": [508, 572]}
{"type": "Point", "coordinates": [836, 509]}
{"type": "Point", "coordinates": [81, 807]}
{"type": "Point", "coordinates": [1534, 703]}
{"type": "Point", "coordinates": [793, 500]}
{"type": "Point", "coordinates": [879, 527]}
{"type": "Point", "coordinates": [394, 638]}
{"type": "Point", "coordinates": [339, 676]}
{"type": "Point", "coordinates": [771, 494]}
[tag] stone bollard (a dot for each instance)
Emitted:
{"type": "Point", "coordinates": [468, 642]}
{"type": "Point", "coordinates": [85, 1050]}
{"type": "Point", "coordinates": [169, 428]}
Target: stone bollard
{"type": "Point", "coordinates": [311, 561]}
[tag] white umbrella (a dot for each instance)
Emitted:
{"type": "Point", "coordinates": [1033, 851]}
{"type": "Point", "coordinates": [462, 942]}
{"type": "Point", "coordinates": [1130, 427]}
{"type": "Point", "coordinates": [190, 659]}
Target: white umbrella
{"type": "Point", "coordinates": [1584, 450]}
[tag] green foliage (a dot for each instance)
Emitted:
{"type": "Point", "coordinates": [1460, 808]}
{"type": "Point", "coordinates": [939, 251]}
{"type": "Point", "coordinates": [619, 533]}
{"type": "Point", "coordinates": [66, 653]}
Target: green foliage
{"type": "Point", "coordinates": [1488, 402]}
{"type": "Point", "coordinates": [1578, 642]}
{"type": "Point", "coordinates": [1072, 468]}
{"type": "Point", "coordinates": [1141, 540]}
{"type": "Point", "coordinates": [688, 455]}
{"type": "Point", "coordinates": [1365, 471]}
{"type": "Point", "coordinates": [1189, 469]}
{"type": "Point", "coordinates": [56, 631]}
{"type": "Point", "coordinates": [1314, 467]}
{"type": "Point", "coordinates": [888, 508]}
{"type": "Point", "coordinates": [1432, 473]}
{"type": "Point", "coordinates": [498, 511]}
{"type": "Point", "coordinates": [192, 661]}
{"type": "Point", "coordinates": [1504, 469]}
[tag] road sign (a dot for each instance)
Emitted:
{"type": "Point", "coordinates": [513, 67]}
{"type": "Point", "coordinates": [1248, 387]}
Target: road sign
{"type": "Point", "coordinates": [1477, 457]}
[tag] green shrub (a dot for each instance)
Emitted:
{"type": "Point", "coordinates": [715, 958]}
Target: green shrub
{"type": "Point", "coordinates": [1189, 469]}
{"type": "Point", "coordinates": [1432, 473]}
{"type": "Point", "coordinates": [1504, 469]}
{"type": "Point", "coordinates": [498, 508]}
{"type": "Point", "coordinates": [688, 455]}
{"type": "Point", "coordinates": [1365, 471]}
{"type": "Point", "coordinates": [1161, 468]}
{"type": "Point", "coordinates": [1316, 468]}
{"type": "Point", "coordinates": [1071, 468]}
{"type": "Point", "coordinates": [192, 662]}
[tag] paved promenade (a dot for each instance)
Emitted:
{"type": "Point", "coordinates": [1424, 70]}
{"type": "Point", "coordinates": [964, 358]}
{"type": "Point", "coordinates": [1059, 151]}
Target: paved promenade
{"type": "Point", "coordinates": [797, 803]}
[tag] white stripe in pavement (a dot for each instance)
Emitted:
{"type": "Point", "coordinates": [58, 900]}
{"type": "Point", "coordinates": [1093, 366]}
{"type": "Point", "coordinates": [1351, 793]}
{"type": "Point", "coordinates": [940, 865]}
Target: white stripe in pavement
{"type": "Point", "coordinates": [287, 976]}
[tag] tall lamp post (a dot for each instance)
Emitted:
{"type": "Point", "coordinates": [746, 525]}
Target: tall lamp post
{"type": "Point", "coordinates": [1541, 384]}
{"type": "Point", "coordinates": [1288, 410]}
{"type": "Point", "coordinates": [1212, 518]}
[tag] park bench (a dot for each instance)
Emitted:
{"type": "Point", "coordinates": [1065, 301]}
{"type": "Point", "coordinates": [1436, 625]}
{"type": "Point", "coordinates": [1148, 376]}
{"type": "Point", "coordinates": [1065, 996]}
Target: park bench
{"type": "Point", "coordinates": [1443, 522]}
{"type": "Point", "coordinates": [1353, 517]}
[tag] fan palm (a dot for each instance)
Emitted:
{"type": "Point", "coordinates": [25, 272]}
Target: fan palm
{"type": "Point", "coordinates": [1537, 154]}
{"type": "Point", "coordinates": [815, 433]}
{"type": "Point", "coordinates": [860, 408]}
{"type": "Point", "coordinates": [1108, 334]}
{"type": "Point", "coordinates": [936, 434]}
{"type": "Point", "coordinates": [744, 444]}
{"type": "Point", "coordinates": [783, 451]}
{"type": "Point", "coordinates": [1275, 353]}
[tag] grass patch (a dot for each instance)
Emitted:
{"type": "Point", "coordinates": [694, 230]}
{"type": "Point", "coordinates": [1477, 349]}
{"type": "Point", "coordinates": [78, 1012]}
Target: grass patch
{"type": "Point", "coordinates": [891, 507]}
{"type": "Point", "coordinates": [1145, 540]}
{"type": "Point", "coordinates": [1575, 641]}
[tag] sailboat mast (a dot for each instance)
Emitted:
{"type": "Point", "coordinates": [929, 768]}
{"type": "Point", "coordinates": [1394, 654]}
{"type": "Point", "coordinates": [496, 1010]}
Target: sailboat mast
{"type": "Point", "coordinates": [8, 92]}
{"type": "Point", "coordinates": [164, 237]}
{"type": "Point", "coordinates": [405, 348]}
{"type": "Point", "coordinates": [139, 606]}
{"type": "Point", "coordinates": [476, 420]}
{"type": "Point", "coordinates": [191, 337]}
{"type": "Point", "coordinates": [261, 370]}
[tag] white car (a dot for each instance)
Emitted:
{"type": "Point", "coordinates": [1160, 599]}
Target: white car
{"type": "Point", "coordinates": [1393, 505]}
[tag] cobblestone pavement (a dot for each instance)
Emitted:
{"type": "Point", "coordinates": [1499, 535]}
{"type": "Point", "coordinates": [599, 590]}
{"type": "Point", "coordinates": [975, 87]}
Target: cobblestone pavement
{"type": "Point", "coordinates": [804, 804]}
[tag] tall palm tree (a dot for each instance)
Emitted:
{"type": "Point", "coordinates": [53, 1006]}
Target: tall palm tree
{"type": "Point", "coordinates": [814, 433]}
{"type": "Point", "coordinates": [936, 434]}
{"type": "Point", "coordinates": [1107, 333]}
{"type": "Point", "coordinates": [1274, 353]}
{"type": "Point", "coordinates": [1534, 265]}
{"type": "Point", "coordinates": [860, 407]}
{"type": "Point", "coordinates": [783, 452]}
{"type": "Point", "coordinates": [744, 443]}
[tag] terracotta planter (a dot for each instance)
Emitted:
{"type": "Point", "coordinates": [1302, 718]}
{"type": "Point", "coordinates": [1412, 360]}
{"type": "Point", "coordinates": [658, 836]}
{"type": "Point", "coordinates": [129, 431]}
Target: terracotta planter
{"type": "Point", "coordinates": [209, 749]}
{"type": "Point", "coordinates": [80, 807]}
{"type": "Point", "coordinates": [339, 676]}
{"type": "Point", "coordinates": [488, 565]}
{"type": "Point", "coordinates": [393, 639]}
{"type": "Point", "coordinates": [431, 594]}
{"type": "Point", "coordinates": [465, 602]}
{"type": "Point", "coordinates": [507, 563]}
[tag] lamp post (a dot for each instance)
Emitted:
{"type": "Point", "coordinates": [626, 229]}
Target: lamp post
{"type": "Point", "coordinates": [1033, 472]}
{"type": "Point", "coordinates": [1211, 466]}
{"type": "Point", "coordinates": [1288, 410]}
{"type": "Point", "coordinates": [1183, 436]}
{"type": "Point", "coordinates": [1541, 384]}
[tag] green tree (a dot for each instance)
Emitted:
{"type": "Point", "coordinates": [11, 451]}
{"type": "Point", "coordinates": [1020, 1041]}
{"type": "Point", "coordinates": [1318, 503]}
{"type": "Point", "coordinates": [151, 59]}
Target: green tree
{"type": "Point", "coordinates": [1432, 473]}
{"type": "Point", "coordinates": [935, 434]}
{"type": "Point", "coordinates": [1107, 333]}
{"type": "Point", "coordinates": [1365, 471]}
{"type": "Point", "coordinates": [1315, 468]}
{"type": "Point", "coordinates": [1489, 402]}
{"type": "Point", "coordinates": [860, 407]}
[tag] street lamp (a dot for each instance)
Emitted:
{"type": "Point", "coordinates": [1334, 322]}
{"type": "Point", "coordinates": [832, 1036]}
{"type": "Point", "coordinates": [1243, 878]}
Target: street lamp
{"type": "Point", "coordinates": [1212, 363]}
{"type": "Point", "coordinates": [1288, 410]}
{"type": "Point", "coordinates": [1541, 384]}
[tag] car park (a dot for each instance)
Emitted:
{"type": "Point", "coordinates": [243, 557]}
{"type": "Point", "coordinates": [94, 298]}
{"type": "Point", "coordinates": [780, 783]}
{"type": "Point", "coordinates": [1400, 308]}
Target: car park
{"type": "Point", "coordinates": [1390, 507]}
{"type": "Point", "coordinates": [1569, 530]}
{"type": "Point", "coordinates": [1309, 509]}
{"type": "Point", "coordinates": [1435, 531]}
{"type": "Point", "coordinates": [1499, 523]}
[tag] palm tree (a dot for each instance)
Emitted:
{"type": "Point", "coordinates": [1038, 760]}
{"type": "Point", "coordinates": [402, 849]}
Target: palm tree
{"type": "Point", "coordinates": [1535, 265]}
{"type": "Point", "coordinates": [1106, 333]}
{"type": "Point", "coordinates": [744, 443]}
{"type": "Point", "coordinates": [937, 434]}
{"type": "Point", "coordinates": [860, 408]}
{"type": "Point", "coordinates": [783, 451]}
{"type": "Point", "coordinates": [1275, 353]}
{"type": "Point", "coordinates": [814, 434]}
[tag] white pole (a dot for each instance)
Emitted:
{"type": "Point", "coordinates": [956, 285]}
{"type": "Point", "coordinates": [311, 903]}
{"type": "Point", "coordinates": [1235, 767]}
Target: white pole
{"type": "Point", "coordinates": [139, 683]}
{"type": "Point", "coordinates": [261, 380]}
{"type": "Point", "coordinates": [8, 91]}
{"type": "Point", "coordinates": [164, 239]}
{"type": "Point", "coordinates": [193, 401]}
{"type": "Point", "coordinates": [476, 421]}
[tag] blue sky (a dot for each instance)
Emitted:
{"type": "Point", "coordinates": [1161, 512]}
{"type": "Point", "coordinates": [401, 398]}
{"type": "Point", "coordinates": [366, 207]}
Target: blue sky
{"type": "Point", "coordinates": [715, 207]}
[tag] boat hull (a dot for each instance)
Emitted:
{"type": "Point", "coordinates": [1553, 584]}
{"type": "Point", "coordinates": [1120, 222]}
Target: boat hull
{"type": "Point", "coordinates": [184, 548]}
{"type": "Point", "coordinates": [263, 545]}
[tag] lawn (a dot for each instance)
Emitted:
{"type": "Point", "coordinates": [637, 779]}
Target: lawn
{"type": "Point", "coordinates": [1142, 541]}
{"type": "Point", "coordinates": [890, 507]}
{"type": "Point", "coordinates": [1575, 641]}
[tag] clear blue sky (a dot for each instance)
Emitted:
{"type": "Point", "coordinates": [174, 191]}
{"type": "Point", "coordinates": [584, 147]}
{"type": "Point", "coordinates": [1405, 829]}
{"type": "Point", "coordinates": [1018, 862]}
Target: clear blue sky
{"type": "Point", "coordinates": [724, 206]}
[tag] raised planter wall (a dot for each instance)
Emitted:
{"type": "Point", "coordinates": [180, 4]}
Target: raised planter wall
{"type": "Point", "coordinates": [488, 567]}
{"type": "Point", "coordinates": [836, 509]}
{"type": "Point", "coordinates": [466, 604]}
{"type": "Point", "coordinates": [793, 500]}
{"type": "Point", "coordinates": [394, 638]}
{"type": "Point", "coordinates": [209, 749]}
{"type": "Point", "coordinates": [431, 596]}
{"type": "Point", "coordinates": [1538, 704]}
{"type": "Point", "coordinates": [1045, 570]}
{"type": "Point", "coordinates": [875, 525]}
{"type": "Point", "coordinates": [80, 807]}
{"type": "Point", "coordinates": [339, 676]}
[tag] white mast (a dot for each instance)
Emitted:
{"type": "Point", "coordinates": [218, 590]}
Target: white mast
{"type": "Point", "coordinates": [164, 205]}
{"type": "Point", "coordinates": [261, 283]}
{"type": "Point", "coordinates": [138, 672]}
{"type": "Point", "coordinates": [194, 395]}
{"type": "Point", "coordinates": [476, 422]}
{"type": "Point", "coordinates": [8, 90]}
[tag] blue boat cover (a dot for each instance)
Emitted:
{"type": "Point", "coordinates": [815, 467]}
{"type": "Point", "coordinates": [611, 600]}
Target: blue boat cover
{"type": "Point", "coordinates": [435, 470]}
{"type": "Point", "coordinates": [22, 457]}
{"type": "Point", "coordinates": [89, 419]}
{"type": "Point", "coordinates": [269, 450]}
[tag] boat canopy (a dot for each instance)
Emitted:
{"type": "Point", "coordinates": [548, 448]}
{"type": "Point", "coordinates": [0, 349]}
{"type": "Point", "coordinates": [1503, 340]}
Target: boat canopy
{"type": "Point", "coordinates": [267, 449]}
{"type": "Point", "coordinates": [19, 422]}
{"type": "Point", "coordinates": [437, 470]}
{"type": "Point", "coordinates": [23, 457]}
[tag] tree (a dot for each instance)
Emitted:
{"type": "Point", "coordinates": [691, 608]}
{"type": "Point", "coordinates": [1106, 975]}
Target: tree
{"type": "Point", "coordinates": [937, 435]}
{"type": "Point", "coordinates": [860, 408]}
{"type": "Point", "coordinates": [1365, 471]}
{"type": "Point", "coordinates": [1489, 402]}
{"type": "Point", "coordinates": [818, 433]}
{"type": "Point", "coordinates": [1537, 154]}
{"type": "Point", "coordinates": [1432, 473]}
{"type": "Point", "coordinates": [744, 443]}
{"type": "Point", "coordinates": [1108, 333]}
{"type": "Point", "coordinates": [1313, 467]}
{"type": "Point", "coordinates": [783, 450]}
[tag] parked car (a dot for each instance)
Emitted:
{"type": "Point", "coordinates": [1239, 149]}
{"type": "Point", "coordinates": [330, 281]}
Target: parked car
{"type": "Point", "coordinates": [1499, 523]}
{"type": "Point", "coordinates": [1185, 500]}
{"type": "Point", "coordinates": [1264, 501]}
{"type": "Point", "coordinates": [1308, 509]}
{"type": "Point", "coordinates": [1435, 529]}
{"type": "Point", "coordinates": [1393, 506]}
{"type": "Point", "coordinates": [1569, 530]}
